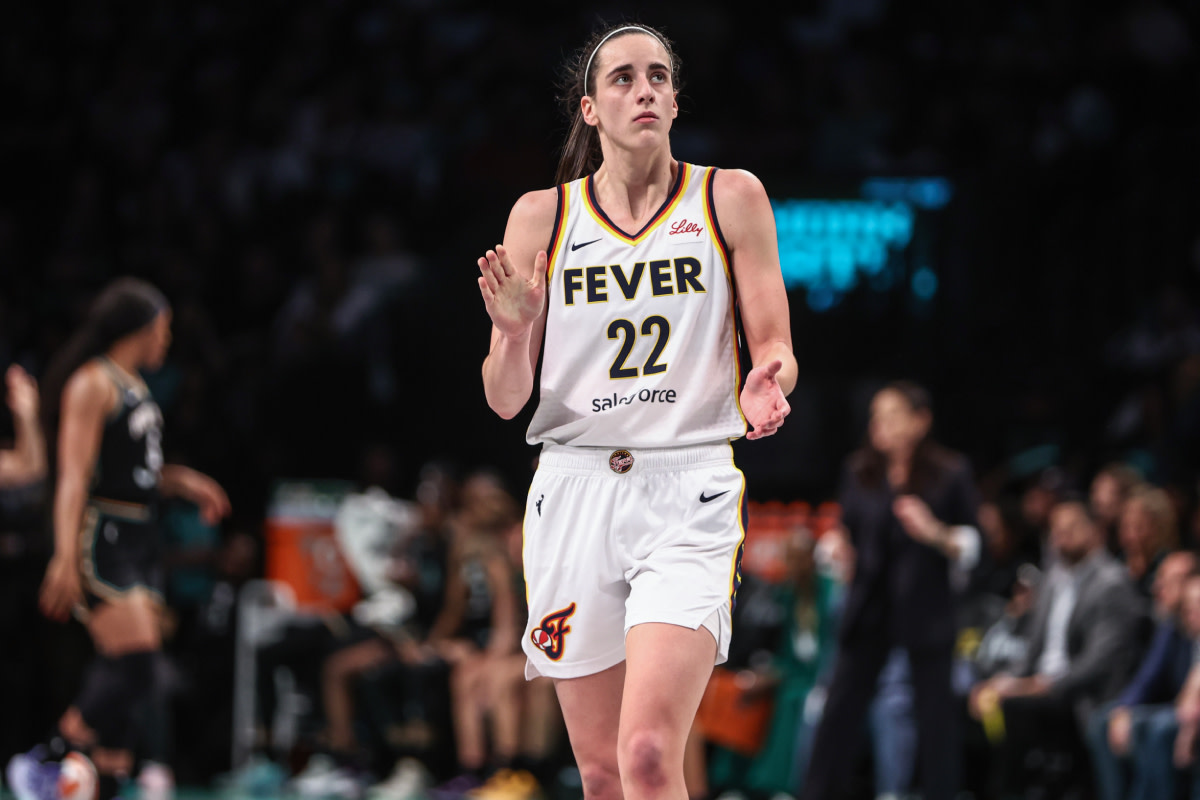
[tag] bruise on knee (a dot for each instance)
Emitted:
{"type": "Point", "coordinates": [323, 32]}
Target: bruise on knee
{"type": "Point", "coordinates": [600, 782]}
{"type": "Point", "coordinates": [644, 761]}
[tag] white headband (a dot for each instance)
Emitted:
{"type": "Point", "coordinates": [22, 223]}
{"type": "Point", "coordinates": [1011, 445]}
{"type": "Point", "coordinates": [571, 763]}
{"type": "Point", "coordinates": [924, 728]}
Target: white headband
{"type": "Point", "coordinates": [640, 29]}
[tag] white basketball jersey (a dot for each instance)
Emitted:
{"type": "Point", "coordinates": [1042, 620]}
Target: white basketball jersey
{"type": "Point", "coordinates": [640, 347]}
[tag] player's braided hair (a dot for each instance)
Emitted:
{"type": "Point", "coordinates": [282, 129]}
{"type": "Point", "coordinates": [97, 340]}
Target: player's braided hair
{"type": "Point", "coordinates": [581, 150]}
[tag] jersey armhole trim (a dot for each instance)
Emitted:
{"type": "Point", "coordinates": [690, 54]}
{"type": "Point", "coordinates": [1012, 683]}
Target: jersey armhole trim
{"type": "Point", "coordinates": [714, 226]}
{"type": "Point", "coordinates": [556, 237]}
{"type": "Point", "coordinates": [118, 383]}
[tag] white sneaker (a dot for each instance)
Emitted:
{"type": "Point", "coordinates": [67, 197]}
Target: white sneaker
{"type": "Point", "coordinates": [322, 777]}
{"type": "Point", "coordinates": [315, 773]}
{"type": "Point", "coordinates": [409, 780]}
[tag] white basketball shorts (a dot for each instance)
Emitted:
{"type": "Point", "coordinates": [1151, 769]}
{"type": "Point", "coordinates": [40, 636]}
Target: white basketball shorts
{"type": "Point", "coordinates": [618, 538]}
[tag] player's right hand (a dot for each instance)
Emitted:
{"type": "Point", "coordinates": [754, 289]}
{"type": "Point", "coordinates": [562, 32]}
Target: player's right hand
{"type": "Point", "coordinates": [512, 300]}
{"type": "Point", "coordinates": [62, 588]}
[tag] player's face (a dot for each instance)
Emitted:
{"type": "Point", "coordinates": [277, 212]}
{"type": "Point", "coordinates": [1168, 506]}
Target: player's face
{"type": "Point", "coordinates": [633, 101]}
{"type": "Point", "coordinates": [158, 339]}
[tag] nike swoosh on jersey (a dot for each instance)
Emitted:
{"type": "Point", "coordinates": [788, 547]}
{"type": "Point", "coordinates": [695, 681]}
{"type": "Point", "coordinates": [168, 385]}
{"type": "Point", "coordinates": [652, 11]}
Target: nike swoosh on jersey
{"type": "Point", "coordinates": [710, 498]}
{"type": "Point", "coordinates": [575, 246]}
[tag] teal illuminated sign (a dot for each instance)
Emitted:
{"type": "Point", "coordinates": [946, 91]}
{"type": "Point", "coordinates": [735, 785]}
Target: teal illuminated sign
{"type": "Point", "coordinates": [830, 247]}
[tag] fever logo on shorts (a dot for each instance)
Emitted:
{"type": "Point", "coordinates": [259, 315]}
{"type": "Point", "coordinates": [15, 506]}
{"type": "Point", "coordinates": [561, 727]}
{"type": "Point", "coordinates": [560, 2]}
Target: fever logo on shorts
{"type": "Point", "coordinates": [551, 634]}
{"type": "Point", "coordinates": [621, 461]}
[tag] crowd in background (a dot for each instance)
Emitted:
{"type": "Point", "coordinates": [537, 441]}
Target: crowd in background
{"type": "Point", "coordinates": [418, 690]}
{"type": "Point", "coordinates": [310, 183]}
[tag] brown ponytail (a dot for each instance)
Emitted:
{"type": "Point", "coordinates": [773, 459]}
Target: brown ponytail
{"type": "Point", "coordinates": [581, 151]}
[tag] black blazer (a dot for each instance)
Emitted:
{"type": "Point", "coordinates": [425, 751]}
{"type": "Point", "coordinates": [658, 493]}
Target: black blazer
{"type": "Point", "coordinates": [901, 588]}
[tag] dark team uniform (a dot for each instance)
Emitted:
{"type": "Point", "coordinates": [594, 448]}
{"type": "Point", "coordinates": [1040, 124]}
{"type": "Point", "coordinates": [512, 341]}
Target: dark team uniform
{"type": "Point", "coordinates": [120, 545]}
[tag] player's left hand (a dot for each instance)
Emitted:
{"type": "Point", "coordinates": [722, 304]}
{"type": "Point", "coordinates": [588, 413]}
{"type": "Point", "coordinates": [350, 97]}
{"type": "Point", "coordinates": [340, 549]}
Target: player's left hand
{"type": "Point", "coordinates": [763, 401]}
{"type": "Point", "coordinates": [214, 503]}
{"type": "Point", "coordinates": [204, 492]}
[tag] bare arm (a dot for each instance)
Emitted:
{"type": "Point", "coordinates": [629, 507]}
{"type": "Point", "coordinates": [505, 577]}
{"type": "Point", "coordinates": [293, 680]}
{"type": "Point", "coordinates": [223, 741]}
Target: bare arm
{"type": "Point", "coordinates": [180, 481]}
{"type": "Point", "coordinates": [513, 285]}
{"type": "Point", "coordinates": [87, 400]}
{"type": "Point", "coordinates": [748, 224]}
{"type": "Point", "coordinates": [26, 461]}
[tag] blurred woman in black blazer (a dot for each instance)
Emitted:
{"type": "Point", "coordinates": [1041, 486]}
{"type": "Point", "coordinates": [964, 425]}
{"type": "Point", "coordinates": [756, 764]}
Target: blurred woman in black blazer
{"type": "Point", "coordinates": [909, 509]}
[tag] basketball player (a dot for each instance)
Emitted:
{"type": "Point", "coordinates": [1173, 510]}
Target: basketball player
{"type": "Point", "coordinates": [105, 439]}
{"type": "Point", "coordinates": [626, 279]}
{"type": "Point", "coordinates": [25, 462]}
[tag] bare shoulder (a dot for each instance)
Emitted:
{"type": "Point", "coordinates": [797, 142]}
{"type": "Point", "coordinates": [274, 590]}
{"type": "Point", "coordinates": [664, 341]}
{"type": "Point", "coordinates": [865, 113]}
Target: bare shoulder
{"type": "Point", "coordinates": [535, 210]}
{"type": "Point", "coordinates": [530, 226]}
{"type": "Point", "coordinates": [88, 388]}
{"type": "Point", "coordinates": [732, 186]}
{"type": "Point", "coordinates": [742, 206]}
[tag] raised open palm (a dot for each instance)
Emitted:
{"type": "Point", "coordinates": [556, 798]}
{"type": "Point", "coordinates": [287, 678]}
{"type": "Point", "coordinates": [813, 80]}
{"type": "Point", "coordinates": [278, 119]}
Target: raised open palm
{"type": "Point", "coordinates": [512, 300]}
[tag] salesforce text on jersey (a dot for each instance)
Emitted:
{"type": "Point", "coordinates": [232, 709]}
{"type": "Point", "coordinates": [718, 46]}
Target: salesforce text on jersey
{"type": "Point", "coordinates": [643, 396]}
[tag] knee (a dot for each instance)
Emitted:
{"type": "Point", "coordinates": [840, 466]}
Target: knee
{"type": "Point", "coordinates": [643, 760]}
{"type": "Point", "coordinates": [600, 781]}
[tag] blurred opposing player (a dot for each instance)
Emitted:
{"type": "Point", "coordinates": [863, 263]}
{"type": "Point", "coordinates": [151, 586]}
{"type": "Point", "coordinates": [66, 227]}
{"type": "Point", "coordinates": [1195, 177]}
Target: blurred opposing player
{"type": "Point", "coordinates": [105, 433]}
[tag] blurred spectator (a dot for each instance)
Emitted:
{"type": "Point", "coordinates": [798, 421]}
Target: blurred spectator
{"type": "Point", "coordinates": [1111, 487]}
{"type": "Point", "coordinates": [326, 651]}
{"type": "Point", "coordinates": [1037, 501]}
{"type": "Point", "coordinates": [793, 675]}
{"type": "Point", "coordinates": [1187, 707]}
{"type": "Point", "coordinates": [1082, 648]}
{"type": "Point", "coordinates": [479, 621]}
{"type": "Point", "coordinates": [1148, 532]}
{"type": "Point", "coordinates": [1120, 736]}
{"type": "Point", "coordinates": [370, 526]}
{"type": "Point", "coordinates": [1005, 645]}
{"type": "Point", "coordinates": [474, 613]}
{"type": "Point", "coordinates": [1007, 551]}
{"type": "Point", "coordinates": [910, 510]}
{"type": "Point", "coordinates": [493, 703]}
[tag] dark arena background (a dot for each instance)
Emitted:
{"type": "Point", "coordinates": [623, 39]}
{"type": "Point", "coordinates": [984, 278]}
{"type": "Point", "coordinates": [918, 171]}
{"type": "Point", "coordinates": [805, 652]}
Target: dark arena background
{"type": "Point", "coordinates": [997, 200]}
